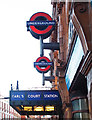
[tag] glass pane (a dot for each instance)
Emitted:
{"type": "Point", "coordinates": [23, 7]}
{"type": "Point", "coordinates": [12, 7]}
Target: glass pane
{"type": "Point", "coordinates": [75, 105]}
{"type": "Point", "coordinates": [85, 115]}
{"type": "Point", "coordinates": [76, 116]}
{"type": "Point", "coordinates": [81, 116]}
{"type": "Point", "coordinates": [80, 104]}
{"type": "Point", "coordinates": [84, 104]}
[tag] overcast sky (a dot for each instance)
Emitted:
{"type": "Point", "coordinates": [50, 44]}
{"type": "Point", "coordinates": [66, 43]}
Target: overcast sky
{"type": "Point", "coordinates": [18, 49]}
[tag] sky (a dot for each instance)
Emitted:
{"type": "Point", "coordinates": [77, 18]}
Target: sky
{"type": "Point", "coordinates": [18, 49]}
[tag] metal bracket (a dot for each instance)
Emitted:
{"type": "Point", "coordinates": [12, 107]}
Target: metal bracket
{"type": "Point", "coordinates": [50, 46]}
{"type": "Point", "coordinates": [48, 78]}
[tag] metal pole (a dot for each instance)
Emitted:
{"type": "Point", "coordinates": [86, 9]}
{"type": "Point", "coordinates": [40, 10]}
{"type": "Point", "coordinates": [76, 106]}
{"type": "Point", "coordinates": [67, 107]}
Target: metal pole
{"type": "Point", "coordinates": [41, 46]}
{"type": "Point", "coordinates": [17, 87]}
{"type": "Point", "coordinates": [43, 79]}
{"type": "Point", "coordinates": [11, 87]}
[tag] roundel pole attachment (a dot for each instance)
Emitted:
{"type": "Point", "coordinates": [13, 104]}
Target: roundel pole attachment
{"type": "Point", "coordinates": [43, 82]}
{"type": "Point", "coordinates": [41, 44]}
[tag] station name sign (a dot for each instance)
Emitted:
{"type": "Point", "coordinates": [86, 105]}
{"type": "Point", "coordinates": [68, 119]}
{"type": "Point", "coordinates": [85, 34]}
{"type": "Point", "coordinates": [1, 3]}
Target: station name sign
{"type": "Point", "coordinates": [34, 95]}
{"type": "Point", "coordinates": [35, 102]}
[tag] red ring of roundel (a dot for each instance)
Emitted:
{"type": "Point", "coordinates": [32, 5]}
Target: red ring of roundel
{"type": "Point", "coordinates": [47, 68]}
{"type": "Point", "coordinates": [41, 31]}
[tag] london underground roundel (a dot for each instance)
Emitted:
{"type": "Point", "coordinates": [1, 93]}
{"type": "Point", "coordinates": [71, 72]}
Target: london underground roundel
{"type": "Point", "coordinates": [40, 24]}
{"type": "Point", "coordinates": [43, 64]}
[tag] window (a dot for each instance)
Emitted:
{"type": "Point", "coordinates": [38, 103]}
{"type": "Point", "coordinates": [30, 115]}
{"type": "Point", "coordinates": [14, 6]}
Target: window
{"type": "Point", "coordinates": [83, 104]}
{"type": "Point", "coordinates": [81, 116]}
{"type": "Point", "coordinates": [71, 30]}
{"type": "Point", "coordinates": [80, 109]}
{"type": "Point", "coordinates": [80, 104]}
{"type": "Point", "coordinates": [75, 104]}
{"type": "Point", "coordinates": [74, 62]}
{"type": "Point", "coordinates": [0, 105]}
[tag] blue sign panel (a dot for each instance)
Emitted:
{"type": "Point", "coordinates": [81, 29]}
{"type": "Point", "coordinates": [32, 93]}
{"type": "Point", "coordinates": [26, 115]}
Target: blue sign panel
{"type": "Point", "coordinates": [17, 95]}
{"type": "Point", "coordinates": [34, 95]}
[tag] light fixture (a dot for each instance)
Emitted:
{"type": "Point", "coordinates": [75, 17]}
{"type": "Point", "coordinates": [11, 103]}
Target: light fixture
{"type": "Point", "coordinates": [38, 108]}
{"type": "Point", "coordinates": [27, 108]}
{"type": "Point", "coordinates": [49, 108]}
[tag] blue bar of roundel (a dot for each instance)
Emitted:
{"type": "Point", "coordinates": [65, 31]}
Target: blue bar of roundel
{"type": "Point", "coordinates": [41, 23]}
{"type": "Point", "coordinates": [41, 63]}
